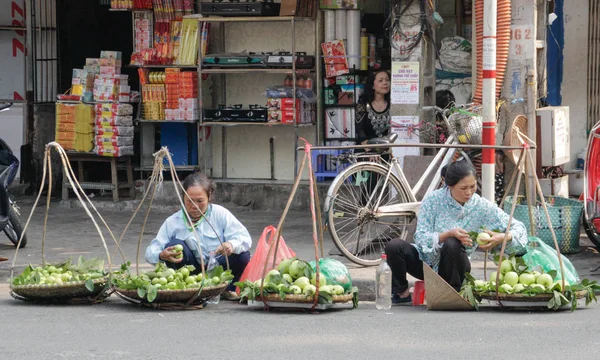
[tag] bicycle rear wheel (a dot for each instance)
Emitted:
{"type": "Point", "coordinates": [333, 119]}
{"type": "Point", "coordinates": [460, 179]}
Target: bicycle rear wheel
{"type": "Point", "coordinates": [355, 230]}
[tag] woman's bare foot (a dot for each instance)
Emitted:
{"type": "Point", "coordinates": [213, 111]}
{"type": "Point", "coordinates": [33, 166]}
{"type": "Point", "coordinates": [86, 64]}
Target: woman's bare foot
{"type": "Point", "coordinates": [404, 294]}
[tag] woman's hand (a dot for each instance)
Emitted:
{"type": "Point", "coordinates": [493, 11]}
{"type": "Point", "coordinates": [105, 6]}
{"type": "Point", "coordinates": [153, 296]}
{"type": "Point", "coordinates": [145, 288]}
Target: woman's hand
{"type": "Point", "coordinates": [365, 142]}
{"type": "Point", "coordinates": [460, 234]}
{"type": "Point", "coordinates": [225, 249]}
{"type": "Point", "coordinates": [497, 239]}
{"type": "Point", "coordinates": [169, 254]}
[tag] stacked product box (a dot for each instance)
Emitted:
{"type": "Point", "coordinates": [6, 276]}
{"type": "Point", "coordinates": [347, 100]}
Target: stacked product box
{"type": "Point", "coordinates": [172, 95]}
{"type": "Point", "coordinates": [114, 130]}
{"type": "Point", "coordinates": [75, 126]}
{"type": "Point", "coordinates": [82, 81]}
{"type": "Point", "coordinates": [109, 83]}
{"type": "Point", "coordinates": [282, 110]}
{"type": "Point", "coordinates": [172, 78]}
{"type": "Point", "coordinates": [142, 26]}
{"type": "Point", "coordinates": [343, 90]}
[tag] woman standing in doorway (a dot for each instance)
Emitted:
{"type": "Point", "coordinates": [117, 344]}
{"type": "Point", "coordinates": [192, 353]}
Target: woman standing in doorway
{"type": "Point", "coordinates": [373, 108]}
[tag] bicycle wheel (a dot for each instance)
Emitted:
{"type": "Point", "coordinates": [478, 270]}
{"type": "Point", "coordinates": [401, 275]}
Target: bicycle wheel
{"type": "Point", "coordinates": [354, 228]}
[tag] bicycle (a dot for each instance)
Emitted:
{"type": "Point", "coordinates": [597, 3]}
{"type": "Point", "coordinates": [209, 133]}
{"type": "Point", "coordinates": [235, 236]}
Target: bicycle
{"type": "Point", "coordinates": [370, 202]}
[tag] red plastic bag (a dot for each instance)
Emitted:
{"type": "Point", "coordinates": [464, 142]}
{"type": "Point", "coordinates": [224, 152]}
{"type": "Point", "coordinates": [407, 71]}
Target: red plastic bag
{"type": "Point", "coordinates": [254, 269]}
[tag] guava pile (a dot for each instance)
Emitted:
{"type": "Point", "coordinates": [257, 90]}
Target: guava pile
{"type": "Point", "coordinates": [84, 271]}
{"type": "Point", "coordinates": [294, 277]}
{"type": "Point", "coordinates": [163, 278]}
{"type": "Point", "coordinates": [517, 278]}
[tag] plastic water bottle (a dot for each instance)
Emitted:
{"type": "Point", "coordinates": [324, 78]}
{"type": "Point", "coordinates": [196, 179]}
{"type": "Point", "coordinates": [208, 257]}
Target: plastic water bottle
{"type": "Point", "coordinates": [383, 284]}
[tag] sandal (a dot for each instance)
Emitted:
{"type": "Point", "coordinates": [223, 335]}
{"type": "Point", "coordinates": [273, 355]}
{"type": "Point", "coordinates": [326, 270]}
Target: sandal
{"type": "Point", "coordinates": [397, 300]}
{"type": "Point", "coordinates": [230, 296]}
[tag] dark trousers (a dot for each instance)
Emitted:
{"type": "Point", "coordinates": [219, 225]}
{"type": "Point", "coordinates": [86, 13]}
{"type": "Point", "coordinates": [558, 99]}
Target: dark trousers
{"type": "Point", "coordinates": [237, 262]}
{"type": "Point", "coordinates": [403, 258]}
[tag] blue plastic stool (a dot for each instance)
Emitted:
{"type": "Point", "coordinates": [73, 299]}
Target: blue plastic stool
{"type": "Point", "coordinates": [318, 161]}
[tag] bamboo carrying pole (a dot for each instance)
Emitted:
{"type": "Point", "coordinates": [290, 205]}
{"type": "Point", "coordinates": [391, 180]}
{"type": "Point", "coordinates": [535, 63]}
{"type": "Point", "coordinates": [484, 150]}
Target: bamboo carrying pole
{"type": "Point", "coordinates": [156, 181]}
{"type": "Point", "coordinates": [315, 212]}
{"type": "Point", "coordinates": [70, 177]}
{"type": "Point", "coordinates": [528, 167]}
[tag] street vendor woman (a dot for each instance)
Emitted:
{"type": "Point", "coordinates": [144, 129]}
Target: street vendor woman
{"type": "Point", "coordinates": [442, 240]}
{"type": "Point", "coordinates": [178, 230]}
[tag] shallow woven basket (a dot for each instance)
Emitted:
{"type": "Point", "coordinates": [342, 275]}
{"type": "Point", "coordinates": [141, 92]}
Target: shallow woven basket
{"type": "Point", "coordinates": [305, 299]}
{"type": "Point", "coordinates": [68, 290]}
{"type": "Point", "coordinates": [177, 296]}
{"type": "Point", "coordinates": [439, 295]}
{"type": "Point", "coordinates": [524, 298]}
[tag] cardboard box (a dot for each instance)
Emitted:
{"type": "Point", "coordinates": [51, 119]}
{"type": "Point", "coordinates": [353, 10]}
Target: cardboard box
{"type": "Point", "coordinates": [189, 114]}
{"type": "Point", "coordinates": [188, 104]}
{"type": "Point", "coordinates": [92, 62]}
{"type": "Point", "coordinates": [105, 54]}
{"type": "Point", "coordinates": [348, 79]}
{"type": "Point", "coordinates": [110, 62]}
{"type": "Point", "coordinates": [110, 120]}
{"type": "Point", "coordinates": [110, 70]}
{"type": "Point", "coordinates": [305, 114]}
{"type": "Point", "coordinates": [349, 94]}
{"type": "Point", "coordinates": [330, 96]}
{"type": "Point", "coordinates": [340, 123]}
{"type": "Point", "coordinates": [282, 103]}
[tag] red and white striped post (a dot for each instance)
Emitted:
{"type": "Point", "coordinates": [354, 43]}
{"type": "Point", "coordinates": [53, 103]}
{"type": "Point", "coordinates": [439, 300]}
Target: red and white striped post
{"type": "Point", "coordinates": [488, 170]}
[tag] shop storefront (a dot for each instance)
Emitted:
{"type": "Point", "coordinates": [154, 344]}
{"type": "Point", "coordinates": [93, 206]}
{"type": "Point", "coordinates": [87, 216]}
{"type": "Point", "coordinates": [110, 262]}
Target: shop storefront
{"type": "Point", "coordinates": [237, 107]}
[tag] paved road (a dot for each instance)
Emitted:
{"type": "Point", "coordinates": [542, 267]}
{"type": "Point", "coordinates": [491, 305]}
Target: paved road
{"type": "Point", "coordinates": [117, 330]}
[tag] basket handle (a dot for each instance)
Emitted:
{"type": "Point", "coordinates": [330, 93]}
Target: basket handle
{"type": "Point", "coordinates": [70, 175]}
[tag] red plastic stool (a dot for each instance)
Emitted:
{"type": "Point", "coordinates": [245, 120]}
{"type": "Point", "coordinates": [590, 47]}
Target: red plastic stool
{"type": "Point", "coordinates": [419, 293]}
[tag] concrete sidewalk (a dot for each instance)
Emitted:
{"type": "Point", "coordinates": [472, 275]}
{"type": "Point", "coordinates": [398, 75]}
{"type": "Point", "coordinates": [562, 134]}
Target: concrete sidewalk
{"type": "Point", "coordinates": [70, 232]}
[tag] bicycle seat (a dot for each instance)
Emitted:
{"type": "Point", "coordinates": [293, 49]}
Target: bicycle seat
{"type": "Point", "coordinates": [384, 140]}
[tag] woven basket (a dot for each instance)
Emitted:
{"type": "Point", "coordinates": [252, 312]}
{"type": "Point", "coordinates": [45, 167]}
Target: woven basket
{"type": "Point", "coordinates": [565, 216]}
{"type": "Point", "coordinates": [439, 295]}
{"type": "Point", "coordinates": [524, 298]}
{"type": "Point", "coordinates": [305, 299]}
{"type": "Point", "coordinates": [177, 296]}
{"type": "Point", "coordinates": [64, 291]}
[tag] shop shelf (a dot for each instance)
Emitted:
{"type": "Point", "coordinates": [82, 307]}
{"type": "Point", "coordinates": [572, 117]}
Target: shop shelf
{"type": "Point", "coordinates": [199, 17]}
{"type": "Point", "coordinates": [163, 66]}
{"type": "Point", "coordinates": [166, 121]}
{"type": "Point", "coordinates": [254, 70]}
{"type": "Point", "coordinates": [230, 123]}
{"type": "Point", "coordinates": [147, 10]}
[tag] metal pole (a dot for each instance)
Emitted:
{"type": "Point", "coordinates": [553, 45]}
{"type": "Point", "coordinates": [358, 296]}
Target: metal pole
{"type": "Point", "coordinates": [489, 97]}
{"type": "Point", "coordinates": [30, 73]}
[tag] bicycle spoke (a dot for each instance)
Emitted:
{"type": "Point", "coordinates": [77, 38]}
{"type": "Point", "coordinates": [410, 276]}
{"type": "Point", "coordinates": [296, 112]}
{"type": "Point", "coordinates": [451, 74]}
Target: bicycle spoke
{"type": "Point", "coordinates": [349, 205]}
{"type": "Point", "coordinates": [355, 229]}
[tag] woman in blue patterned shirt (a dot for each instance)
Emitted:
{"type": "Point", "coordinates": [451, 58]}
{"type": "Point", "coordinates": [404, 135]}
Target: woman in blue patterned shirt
{"type": "Point", "coordinates": [446, 216]}
{"type": "Point", "coordinates": [178, 230]}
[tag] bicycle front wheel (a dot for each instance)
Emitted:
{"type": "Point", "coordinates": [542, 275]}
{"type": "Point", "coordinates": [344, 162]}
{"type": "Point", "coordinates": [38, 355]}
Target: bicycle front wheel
{"type": "Point", "coordinates": [355, 229]}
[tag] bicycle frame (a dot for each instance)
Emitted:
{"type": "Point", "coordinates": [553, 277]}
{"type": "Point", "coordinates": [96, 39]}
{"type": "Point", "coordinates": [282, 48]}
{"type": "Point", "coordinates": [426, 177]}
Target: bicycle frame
{"type": "Point", "coordinates": [412, 207]}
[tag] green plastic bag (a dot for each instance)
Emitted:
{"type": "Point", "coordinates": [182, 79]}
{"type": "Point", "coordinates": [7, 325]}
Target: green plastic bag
{"type": "Point", "coordinates": [541, 254]}
{"type": "Point", "coordinates": [335, 272]}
